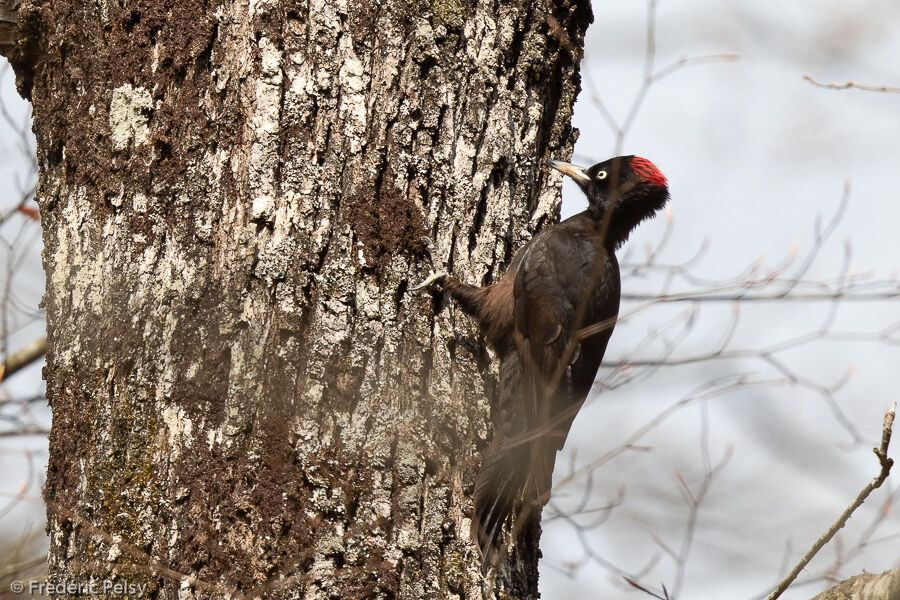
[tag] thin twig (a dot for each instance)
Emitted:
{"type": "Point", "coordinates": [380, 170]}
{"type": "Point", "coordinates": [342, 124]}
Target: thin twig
{"type": "Point", "coordinates": [637, 585]}
{"type": "Point", "coordinates": [886, 464]}
{"type": "Point", "coordinates": [34, 430]}
{"type": "Point", "coordinates": [853, 85]}
{"type": "Point", "coordinates": [693, 61]}
{"type": "Point", "coordinates": [888, 294]}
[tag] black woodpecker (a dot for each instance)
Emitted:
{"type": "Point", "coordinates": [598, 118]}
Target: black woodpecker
{"type": "Point", "coordinates": [549, 319]}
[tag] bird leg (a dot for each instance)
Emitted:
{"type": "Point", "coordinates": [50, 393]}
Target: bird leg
{"type": "Point", "coordinates": [430, 280]}
{"type": "Point", "coordinates": [436, 277]}
{"type": "Point", "coordinates": [470, 298]}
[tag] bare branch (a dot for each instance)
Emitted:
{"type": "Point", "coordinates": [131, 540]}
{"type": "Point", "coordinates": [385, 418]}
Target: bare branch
{"type": "Point", "coordinates": [853, 85]}
{"type": "Point", "coordinates": [23, 357]}
{"type": "Point", "coordinates": [650, 76]}
{"type": "Point", "coordinates": [25, 431]}
{"type": "Point", "coordinates": [694, 61]}
{"type": "Point", "coordinates": [886, 464]}
{"type": "Point", "coordinates": [635, 584]}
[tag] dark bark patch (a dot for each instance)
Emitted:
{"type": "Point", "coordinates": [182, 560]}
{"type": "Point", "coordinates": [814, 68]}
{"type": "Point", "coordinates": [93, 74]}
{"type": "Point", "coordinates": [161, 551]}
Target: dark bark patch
{"type": "Point", "coordinates": [33, 22]}
{"type": "Point", "coordinates": [165, 48]}
{"type": "Point", "coordinates": [370, 20]}
{"type": "Point", "coordinates": [385, 221]}
{"type": "Point", "coordinates": [204, 355]}
{"type": "Point", "coordinates": [74, 410]}
{"type": "Point", "coordinates": [288, 507]}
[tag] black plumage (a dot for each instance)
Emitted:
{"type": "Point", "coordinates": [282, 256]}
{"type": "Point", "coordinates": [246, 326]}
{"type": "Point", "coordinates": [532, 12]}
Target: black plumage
{"type": "Point", "coordinates": [549, 318]}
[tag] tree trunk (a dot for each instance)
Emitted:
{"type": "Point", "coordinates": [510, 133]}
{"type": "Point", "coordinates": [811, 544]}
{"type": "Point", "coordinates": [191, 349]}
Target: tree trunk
{"type": "Point", "coordinates": [246, 397]}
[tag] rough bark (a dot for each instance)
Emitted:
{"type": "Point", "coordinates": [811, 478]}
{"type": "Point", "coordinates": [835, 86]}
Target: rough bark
{"type": "Point", "coordinates": [245, 396]}
{"type": "Point", "coordinates": [9, 25]}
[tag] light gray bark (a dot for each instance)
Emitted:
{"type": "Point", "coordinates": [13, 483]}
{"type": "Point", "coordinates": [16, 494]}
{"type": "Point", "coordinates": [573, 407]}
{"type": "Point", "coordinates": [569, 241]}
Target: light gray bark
{"type": "Point", "coordinates": [245, 396]}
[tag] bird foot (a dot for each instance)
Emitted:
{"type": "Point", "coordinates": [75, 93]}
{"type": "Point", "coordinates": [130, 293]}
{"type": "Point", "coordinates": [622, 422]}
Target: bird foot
{"type": "Point", "coordinates": [430, 280]}
{"type": "Point", "coordinates": [429, 248]}
{"type": "Point", "coordinates": [436, 275]}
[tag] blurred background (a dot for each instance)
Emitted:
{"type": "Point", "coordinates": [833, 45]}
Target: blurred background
{"type": "Point", "coordinates": [733, 424]}
{"type": "Point", "coordinates": [24, 415]}
{"type": "Point", "coordinates": [759, 338]}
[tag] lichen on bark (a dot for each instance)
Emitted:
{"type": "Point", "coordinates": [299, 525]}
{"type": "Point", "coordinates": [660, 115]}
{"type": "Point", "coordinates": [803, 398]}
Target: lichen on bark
{"type": "Point", "coordinates": [246, 396]}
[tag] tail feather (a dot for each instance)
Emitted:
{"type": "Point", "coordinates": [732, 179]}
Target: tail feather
{"type": "Point", "coordinates": [498, 487]}
{"type": "Point", "coordinates": [519, 463]}
{"type": "Point", "coordinates": [540, 480]}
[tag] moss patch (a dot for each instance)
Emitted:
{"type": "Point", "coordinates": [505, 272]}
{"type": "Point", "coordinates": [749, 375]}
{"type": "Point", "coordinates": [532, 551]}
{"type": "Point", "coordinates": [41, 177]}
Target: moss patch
{"type": "Point", "coordinates": [385, 221]}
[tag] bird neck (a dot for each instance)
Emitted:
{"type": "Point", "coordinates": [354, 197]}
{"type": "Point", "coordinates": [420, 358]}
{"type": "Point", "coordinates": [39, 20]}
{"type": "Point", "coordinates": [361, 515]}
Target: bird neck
{"type": "Point", "coordinates": [616, 225]}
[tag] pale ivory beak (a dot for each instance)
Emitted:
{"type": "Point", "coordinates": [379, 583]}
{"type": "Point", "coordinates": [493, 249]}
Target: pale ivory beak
{"type": "Point", "coordinates": [575, 172]}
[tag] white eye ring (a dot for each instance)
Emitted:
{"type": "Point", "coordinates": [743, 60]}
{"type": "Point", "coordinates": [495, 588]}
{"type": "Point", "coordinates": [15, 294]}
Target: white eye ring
{"type": "Point", "coordinates": [601, 175]}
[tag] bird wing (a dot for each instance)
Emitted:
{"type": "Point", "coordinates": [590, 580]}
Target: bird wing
{"type": "Point", "coordinates": [541, 316]}
{"type": "Point", "coordinates": [562, 283]}
{"type": "Point", "coordinates": [546, 294]}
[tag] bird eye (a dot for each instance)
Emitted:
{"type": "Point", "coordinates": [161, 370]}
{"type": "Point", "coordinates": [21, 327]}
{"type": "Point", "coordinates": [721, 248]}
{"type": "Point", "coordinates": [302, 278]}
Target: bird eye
{"type": "Point", "coordinates": [601, 175]}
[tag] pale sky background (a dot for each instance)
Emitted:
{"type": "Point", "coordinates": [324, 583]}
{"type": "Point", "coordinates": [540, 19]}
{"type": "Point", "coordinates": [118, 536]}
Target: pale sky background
{"type": "Point", "coordinates": [21, 289]}
{"type": "Point", "coordinates": [753, 154]}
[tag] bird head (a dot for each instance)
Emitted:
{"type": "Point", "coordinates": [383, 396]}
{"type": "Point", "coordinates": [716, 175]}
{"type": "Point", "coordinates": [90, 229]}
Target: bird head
{"type": "Point", "coordinates": [625, 189]}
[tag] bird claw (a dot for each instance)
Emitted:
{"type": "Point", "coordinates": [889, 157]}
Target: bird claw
{"type": "Point", "coordinates": [436, 276]}
{"type": "Point", "coordinates": [433, 278]}
{"type": "Point", "coordinates": [429, 248]}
